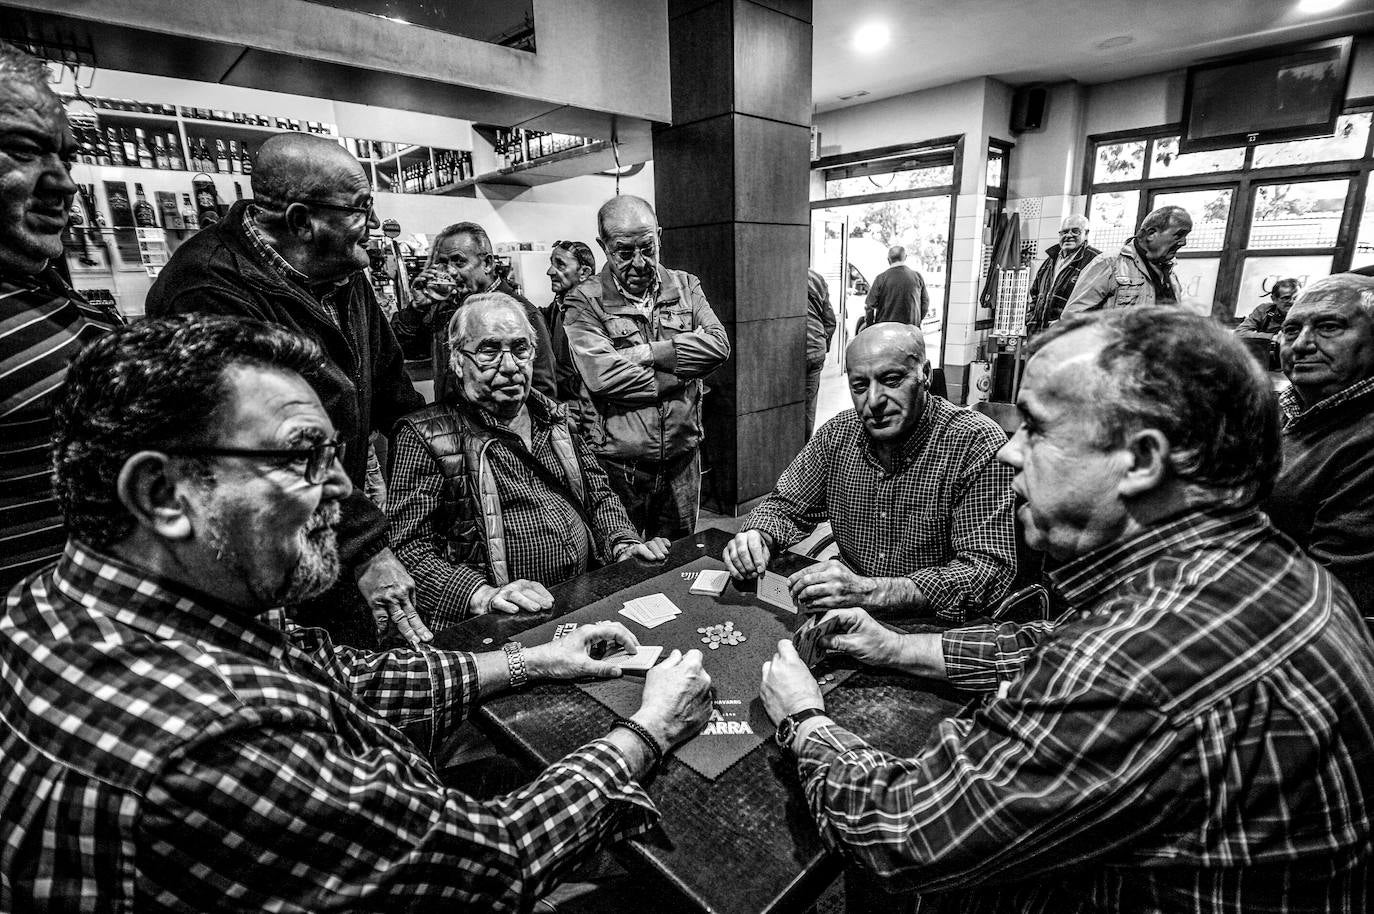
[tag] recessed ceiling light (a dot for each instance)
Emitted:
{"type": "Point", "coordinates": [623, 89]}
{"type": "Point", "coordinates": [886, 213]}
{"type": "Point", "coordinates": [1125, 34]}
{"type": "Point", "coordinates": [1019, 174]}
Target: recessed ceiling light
{"type": "Point", "coordinates": [872, 37]}
{"type": "Point", "coordinates": [1119, 41]}
{"type": "Point", "coordinates": [1318, 6]}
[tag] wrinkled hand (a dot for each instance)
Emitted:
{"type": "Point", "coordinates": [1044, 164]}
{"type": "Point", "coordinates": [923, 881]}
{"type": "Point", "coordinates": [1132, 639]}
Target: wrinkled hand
{"type": "Point", "coordinates": [571, 657]}
{"type": "Point", "coordinates": [431, 287]}
{"type": "Point", "coordinates": [746, 556]}
{"type": "Point", "coordinates": [677, 698]}
{"type": "Point", "coordinates": [655, 550]}
{"type": "Point", "coordinates": [830, 585]}
{"type": "Point", "coordinates": [516, 597]}
{"type": "Point", "coordinates": [788, 686]}
{"type": "Point", "coordinates": [390, 593]}
{"type": "Point", "coordinates": [862, 637]}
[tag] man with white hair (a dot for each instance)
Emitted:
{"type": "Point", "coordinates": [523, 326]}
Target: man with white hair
{"type": "Point", "coordinates": [493, 497]}
{"type": "Point", "coordinates": [1054, 281]}
{"type": "Point", "coordinates": [920, 508]}
{"type": "Point", "coordinates": [1324, 496]}
{"type": "Point", "coordinates": [1142, 272]}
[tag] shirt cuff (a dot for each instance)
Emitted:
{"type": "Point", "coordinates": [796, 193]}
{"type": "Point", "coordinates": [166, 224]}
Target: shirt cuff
{"type": "Point", "coordinates": [455, 596]}
{"type": "Point", "coordinates": [822, 746]}
{"type": "Point", "coordinates": [609, 771]}
{"type": "Point", "coordinates": [453, 680]}
{"type": "Point", "coordinates": [971, 657]}
{"type": "Point", "coordinates": [664, 355]}
{"type": "Point", "coordinates": [943, 599]}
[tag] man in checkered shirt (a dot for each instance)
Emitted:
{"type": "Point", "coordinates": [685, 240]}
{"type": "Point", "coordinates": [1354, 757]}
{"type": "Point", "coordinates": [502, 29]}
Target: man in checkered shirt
{"type": "Point", "coordinates": [1196, 734]}
{"type": "Point", "coordinates": [170, 744]}
{"type": "Point", "coordinates": [920, 508]}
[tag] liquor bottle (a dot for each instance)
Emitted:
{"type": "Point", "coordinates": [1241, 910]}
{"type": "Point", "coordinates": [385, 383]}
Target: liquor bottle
{"type": "Point", "coordinates": [188, 212]}
{"type": "Point", "coordinates": [103, 155]}
{"type": "Point", "coordinates": [235, 163]}
{"type": "Point", "coordinates": [245, 160]}
{"type": "Point", "coordinates": [144, 214]}
{"type": "Point", "coordinates": [160, 152]}
{"type": "Point", "coordinates": [145, 155]}
{"type": "Point", "coordinates": [221, 157]}
{"type": "Point", "coordinates": [174, 158]}
{"type": "Point", "coordinates": [198, 154]}
{"type": "Point", "coordinates": [130, 150]}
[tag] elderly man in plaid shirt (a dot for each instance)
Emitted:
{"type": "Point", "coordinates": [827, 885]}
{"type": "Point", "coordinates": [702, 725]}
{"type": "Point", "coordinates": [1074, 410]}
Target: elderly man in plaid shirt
{"type": "Point", "coordinates": [170, 744]}
{"type": "Point", "coordinates": [1196, 734]}
{"type": "Point", "coordinates": [920, 508]}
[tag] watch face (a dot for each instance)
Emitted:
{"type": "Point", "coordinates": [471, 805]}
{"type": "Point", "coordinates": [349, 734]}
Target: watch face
{"type": "Point", "coordinates": [784, 732]}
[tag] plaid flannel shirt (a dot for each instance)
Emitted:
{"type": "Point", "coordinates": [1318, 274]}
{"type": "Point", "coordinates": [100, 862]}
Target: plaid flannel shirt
{"type": "Point", "coordinates": [942, 517]}
{"type": "Point", "coordinates": [162, 753]}
{"type": "Point", "coordinates": [1197, 737]}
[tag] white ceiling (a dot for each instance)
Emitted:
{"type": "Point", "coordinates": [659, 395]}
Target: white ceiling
{"type": "Point", "coordinates": [1029, 41]}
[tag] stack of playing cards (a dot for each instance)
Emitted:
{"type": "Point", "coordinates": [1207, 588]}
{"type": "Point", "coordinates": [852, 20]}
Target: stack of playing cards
{"type": "Point", "coordinates": [711, 582]}
{"type": "Point", "coordinates": [650, 611]}
{"type": "Point", "coordinates": [641, 660]}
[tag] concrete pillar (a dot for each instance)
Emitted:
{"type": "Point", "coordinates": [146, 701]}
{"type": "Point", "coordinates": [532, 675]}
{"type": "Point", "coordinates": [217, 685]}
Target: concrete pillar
{"type": "Point", "coordinates": [730, 187]}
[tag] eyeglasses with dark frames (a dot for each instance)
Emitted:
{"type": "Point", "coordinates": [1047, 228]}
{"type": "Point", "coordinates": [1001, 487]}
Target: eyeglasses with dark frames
{"type": "Point", "coordinates": [489, 355]}
{"type": "Point", "coordinates": [318, 457]}
{"type": "Point", "coordinates": [365, 209]}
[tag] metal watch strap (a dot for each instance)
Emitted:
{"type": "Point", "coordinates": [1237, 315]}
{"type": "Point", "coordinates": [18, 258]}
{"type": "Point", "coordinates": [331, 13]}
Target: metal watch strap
{"type": "Point", "coordinates": [515, 664]}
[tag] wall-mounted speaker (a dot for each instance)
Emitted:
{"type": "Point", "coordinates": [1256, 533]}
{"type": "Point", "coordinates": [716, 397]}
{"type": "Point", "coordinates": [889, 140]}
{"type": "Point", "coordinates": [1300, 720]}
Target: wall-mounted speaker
{"type": "Point", "coordinates": [1028, 108]}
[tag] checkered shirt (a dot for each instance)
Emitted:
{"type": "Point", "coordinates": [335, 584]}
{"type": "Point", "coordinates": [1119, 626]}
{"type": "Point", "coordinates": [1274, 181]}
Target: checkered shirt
{"type": "Point", "coordinates": [1197, 737]}
{"type": "Point", "coordinates": [163, 752]}
{"type": "Point", "coordinates": [546, 540]}
{"type": "Point", "coordinates": [942, 517]}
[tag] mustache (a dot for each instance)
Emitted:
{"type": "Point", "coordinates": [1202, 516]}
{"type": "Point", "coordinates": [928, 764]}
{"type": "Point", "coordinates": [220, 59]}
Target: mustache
{"type": "Point", "coordinates": [326, 517]}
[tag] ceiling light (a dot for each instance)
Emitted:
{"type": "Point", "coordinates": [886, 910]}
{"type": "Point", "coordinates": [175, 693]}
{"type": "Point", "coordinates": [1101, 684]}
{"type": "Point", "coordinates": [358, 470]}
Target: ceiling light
{"type": "Point", "coordinates": [1318, 6]}
{"type": "Point", "coordinates": [872, 37]}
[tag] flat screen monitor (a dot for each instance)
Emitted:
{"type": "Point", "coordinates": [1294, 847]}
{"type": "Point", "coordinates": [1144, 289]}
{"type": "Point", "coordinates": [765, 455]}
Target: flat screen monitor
{"type": "Point", "coordinates": [1274, 95]}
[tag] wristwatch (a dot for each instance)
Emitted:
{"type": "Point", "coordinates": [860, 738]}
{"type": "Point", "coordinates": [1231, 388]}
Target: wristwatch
{"type": "Point", "coordinates": [515, 664]}
{"type": "Point", "coordinates": [787, 727]}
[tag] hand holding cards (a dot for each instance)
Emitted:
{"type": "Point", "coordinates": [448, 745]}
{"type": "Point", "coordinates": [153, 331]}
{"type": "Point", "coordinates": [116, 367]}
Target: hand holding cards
{"type": "Point", "coordinates": [807, 638]}
{"type": "Point", "coordinates": [638, 662]}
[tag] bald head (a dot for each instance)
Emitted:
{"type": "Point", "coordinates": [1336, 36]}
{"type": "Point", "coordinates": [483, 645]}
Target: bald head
{"type": "Point", "coordinates": [297, 166]}
{"type": "Point", "coordinates": [620, 213]}
{"type": "Point", "coordinates": [888, 339]}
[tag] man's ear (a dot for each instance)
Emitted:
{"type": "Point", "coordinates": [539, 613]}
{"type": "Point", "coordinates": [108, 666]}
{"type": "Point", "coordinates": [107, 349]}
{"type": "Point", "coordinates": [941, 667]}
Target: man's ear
{"type": "Point", "coordinates": [1148, 469]}
{"type": "Point", "coordinates": [584, 273]}
{"type": "Point", "coordinates": [297, 219]}
{"type": "Point", "coordinates": [148, 490]}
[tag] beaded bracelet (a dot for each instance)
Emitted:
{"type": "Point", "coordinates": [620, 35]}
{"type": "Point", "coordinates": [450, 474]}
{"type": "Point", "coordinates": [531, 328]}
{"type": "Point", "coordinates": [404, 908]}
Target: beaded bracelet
{"type": "Point", "coordinates": [643, 733]}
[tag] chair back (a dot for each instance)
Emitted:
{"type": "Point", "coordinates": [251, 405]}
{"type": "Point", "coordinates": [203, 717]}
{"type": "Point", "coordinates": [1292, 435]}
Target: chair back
{"type": "Point", "coordinates": [1006, 415]}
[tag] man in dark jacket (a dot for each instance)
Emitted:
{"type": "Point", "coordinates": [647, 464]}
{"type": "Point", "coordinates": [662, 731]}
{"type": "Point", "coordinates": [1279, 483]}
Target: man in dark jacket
{"type": "Point", "coordinates": [898, 294]}
{"type": "Point", "coordinates": [820, 327]}
{"type": "Point", "coordinates": [1054, 281]}
{"type": "Point", "coordinates": [571, 263]}
{"type": "Point", "coordinates": [462, 254]}
{"type": "Point", "coordinates": [294, 256]}
{"type": "Point", "coordinates": [1324, 496]}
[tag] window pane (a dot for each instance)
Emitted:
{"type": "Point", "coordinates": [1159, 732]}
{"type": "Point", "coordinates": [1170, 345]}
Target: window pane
{"type": "Point", "coordinates": [1302, 215]}
{"type": "Point", "coordinates": [1111, 219]}
{"type": "Point", "coordinates": [906, 179]}
{"type": "Point", "coordinates": [997, 173]}
{"type": "Point", "coordinates": [1165, 160]}
{"type": "Point", "coordinates": [1364, 235]}
{"type": "Point", "coordinates": [1209, 209]}
{"type": "Point", "coordinates": [1119, 162]}
{"type": "Point", "coordinates": [1198, 275]}
{"type": "Point", "coordinates": [1260, 273]}
{"type": "Point", "coordinates": [1349, 142]}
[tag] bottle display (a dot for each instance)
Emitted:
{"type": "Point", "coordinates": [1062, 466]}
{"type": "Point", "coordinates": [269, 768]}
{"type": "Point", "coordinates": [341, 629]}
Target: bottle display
{"type": "Point", "coordinates": [174, 158]}
{"type": "Point", "coordinates": [245, 161]}
{"type": "Point", "coordinates": [188, 213]}
{"type": "Point", "coordinates": [235, 163]}
{"type": "Point", "coordinates": [141, 150]}
{"type": "Point", "coordinates": [130, 149]}
{"type": "Point", "coordinates": [221, 157]}
{"type": "Point", "coordinates": [160, 152]}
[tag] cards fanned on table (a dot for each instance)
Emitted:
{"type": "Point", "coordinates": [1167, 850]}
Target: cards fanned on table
{"type": "Point", "coordinates": [711, 583]}
{"type": "Point", "coordinates": [650, 611]}
{"type": "Point", "coordinates": [643, 659]}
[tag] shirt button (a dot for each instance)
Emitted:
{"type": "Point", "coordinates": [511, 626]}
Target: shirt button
{"type": "Point", "coordinates": [883, 515]}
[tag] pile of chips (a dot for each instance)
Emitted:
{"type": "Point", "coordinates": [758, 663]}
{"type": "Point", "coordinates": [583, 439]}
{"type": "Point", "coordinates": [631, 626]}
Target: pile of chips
{"type": "Point", "coordinates": [714, 636]}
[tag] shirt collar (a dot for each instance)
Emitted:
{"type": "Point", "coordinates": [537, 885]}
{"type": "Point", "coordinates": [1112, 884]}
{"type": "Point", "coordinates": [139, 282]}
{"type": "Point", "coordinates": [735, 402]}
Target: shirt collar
{"type": "Point", "coordinates": [643, 302]}
{"type": "Point", "coordinates": [160, 608]}
{"type": "Point", "coordinates": [260, 244]}
{"type": "Point", "coordinates": [1294, 411]}
{"type": "Point", "coordinates": [1094, 576]}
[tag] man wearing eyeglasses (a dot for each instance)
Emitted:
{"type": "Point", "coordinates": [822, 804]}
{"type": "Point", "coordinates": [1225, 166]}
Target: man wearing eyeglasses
{"type": "Point", "coordinates": [643, 337]}
{"type": "Point", "coordinates": [493, 499]}
{"type": "Point", "coordinates": [172, 742]}
{"type": "Point", "coordinates": [294, 256]}
{"type": "Point", "coordinates": [1054, 281]}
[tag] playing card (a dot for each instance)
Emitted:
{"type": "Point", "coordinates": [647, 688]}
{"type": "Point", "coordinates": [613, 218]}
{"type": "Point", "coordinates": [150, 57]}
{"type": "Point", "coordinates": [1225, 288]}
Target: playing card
{"type": "Point", "coordinates": [650, 611]}
{"type": "Point", "coordinates": [711, 583]}
{"type": "Point", "coordinates": [807, 639]}
{"type": "Point", "coordinates": [645, 658]}
{"type": "Point", "coordinates": [773, 590]}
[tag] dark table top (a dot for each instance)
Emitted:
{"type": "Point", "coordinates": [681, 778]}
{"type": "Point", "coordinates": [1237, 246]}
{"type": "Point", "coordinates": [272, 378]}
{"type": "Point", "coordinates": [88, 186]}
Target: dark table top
{"type": "Point", "coordinates": [746, 841]}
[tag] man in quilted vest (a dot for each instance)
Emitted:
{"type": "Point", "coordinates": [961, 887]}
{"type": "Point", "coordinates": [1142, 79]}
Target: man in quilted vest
{"type": "Point", "coordinates": [493, 498]}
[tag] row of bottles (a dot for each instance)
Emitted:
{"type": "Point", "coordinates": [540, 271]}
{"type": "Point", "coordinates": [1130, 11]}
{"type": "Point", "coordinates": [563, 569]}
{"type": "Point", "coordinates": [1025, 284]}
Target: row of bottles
{"type": "Point", "coordinates": [170, 213]}
{"type": "Point", "coordinates": [129, 147]}
{"type": "Point", "coordinates": [220, 156]}
{"type": "Point", "coordinates": [516, 145]}
{"type": "Point", "coordinates": [449, 167]}
{"type": "Point", "coordinates": [211, 114]}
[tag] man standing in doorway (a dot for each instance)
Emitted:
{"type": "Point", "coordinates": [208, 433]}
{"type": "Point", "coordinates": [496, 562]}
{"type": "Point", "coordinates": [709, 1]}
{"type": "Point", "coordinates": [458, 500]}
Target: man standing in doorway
{"type": "Point", "coordinates": [1054, 281]}
{"type": "Point", "coordinates": [642, 337]}
{"type": "Point", "coordinates": [1142, 272]}
{"type": "Point", "coordinates": [898, 294]}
